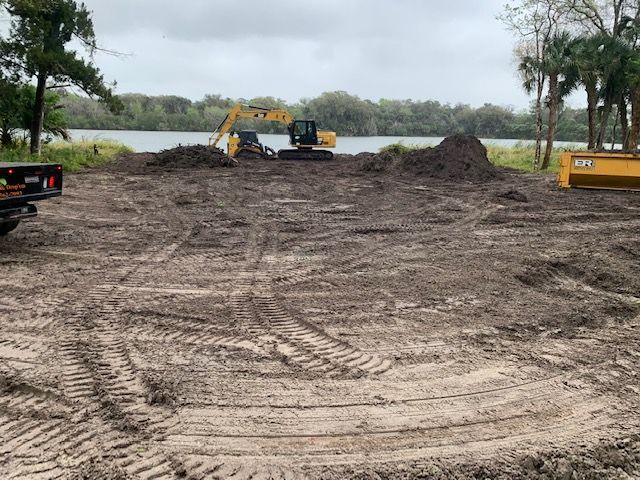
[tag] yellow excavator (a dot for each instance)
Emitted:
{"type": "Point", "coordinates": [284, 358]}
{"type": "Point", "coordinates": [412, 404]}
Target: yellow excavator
{"type": "Point", "coordinates": [303, 135]}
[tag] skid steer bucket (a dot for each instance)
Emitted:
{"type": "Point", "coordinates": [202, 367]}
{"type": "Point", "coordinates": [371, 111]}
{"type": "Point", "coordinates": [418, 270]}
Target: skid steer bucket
{"type": "Point", "coordinates": [618, 171]}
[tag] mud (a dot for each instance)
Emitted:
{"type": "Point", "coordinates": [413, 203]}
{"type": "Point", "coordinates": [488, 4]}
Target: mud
{"type": "Point", "coordinates": [316, 320]}
{"type": "Point", "coordinates": [605, 460]}
{"type": "Point", "coordinates": [514, 195]}
{"type": "Point", "coordinates": [192, 156]}
{"type": "Point", "coordinates": [458, 158]}
{"type": "Point", "coordinates": [98, 470]}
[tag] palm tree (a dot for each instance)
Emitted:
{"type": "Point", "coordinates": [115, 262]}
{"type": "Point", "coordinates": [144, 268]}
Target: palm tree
{"type": "Point", "coordinates": [558, 65]}
{"type": "Point", "coordinates": [632, 74]}
{"type": "Point", "coordinates": [587, 60]}
{"type": "Point", "coordinates": [614, 55]}
{"type": "Point", "coordinates": [533, 78]}
{"type": "Point", "coordinates": [631, 34]}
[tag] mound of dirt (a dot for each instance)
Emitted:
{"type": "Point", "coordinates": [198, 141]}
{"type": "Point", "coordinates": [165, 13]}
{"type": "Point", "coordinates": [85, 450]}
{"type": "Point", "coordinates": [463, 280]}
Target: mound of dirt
{"type": "Point", "coordinates": [514, 195]}
{"type": "Point", "coordinates": [457, 158]}
{"type": "Point", "coordinates": [192, 156]}
{"type": "Point", "coordinates": [372, 162]}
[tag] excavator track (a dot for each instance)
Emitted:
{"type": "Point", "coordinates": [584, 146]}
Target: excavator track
{"type": "Point", "coordinates": [244, 152]}
{"type": "Point", "coordinates": [301, 154]}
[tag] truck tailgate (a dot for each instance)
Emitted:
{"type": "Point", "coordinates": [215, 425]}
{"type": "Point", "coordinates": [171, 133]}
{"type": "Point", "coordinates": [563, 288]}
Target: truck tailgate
{"type": "Point", "coordinates": [26, 182]}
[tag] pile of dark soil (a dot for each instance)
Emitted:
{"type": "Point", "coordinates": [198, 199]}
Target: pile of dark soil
{"type": "Point", "coordinates": [192, 156]}
{"type": "Point", "coordinates": [457, 158]}
{"type": "Point", "coordinates": [372, 162]}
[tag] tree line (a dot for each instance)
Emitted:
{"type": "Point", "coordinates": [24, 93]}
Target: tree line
{"type": "Point", "coordinates": [346, 114]}
{"type": "Point", "coordinates": [564, 45]}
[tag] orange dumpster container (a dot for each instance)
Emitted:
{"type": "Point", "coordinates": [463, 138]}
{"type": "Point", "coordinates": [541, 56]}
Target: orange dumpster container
{"type": "Point", "coordinates": [618, 171]}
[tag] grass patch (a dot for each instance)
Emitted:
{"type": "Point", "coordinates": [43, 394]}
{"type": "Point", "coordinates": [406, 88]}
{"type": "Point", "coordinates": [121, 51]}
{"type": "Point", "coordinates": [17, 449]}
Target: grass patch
{"type": "Point", "coordinates": [400, 148]}
{"type": "Point", "coordinates": [73, 156]}
{"type": "Point", "coordinates": [519, 157]}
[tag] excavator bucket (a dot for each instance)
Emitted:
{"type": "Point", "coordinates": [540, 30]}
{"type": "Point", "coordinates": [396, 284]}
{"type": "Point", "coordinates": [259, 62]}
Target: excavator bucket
{"type": "Point", "coordinates": [617, 171]}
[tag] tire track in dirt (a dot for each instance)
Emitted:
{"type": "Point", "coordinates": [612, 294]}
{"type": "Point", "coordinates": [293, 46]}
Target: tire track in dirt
{"type": "Point", "coordinates": [260, 313]}
{"type": "Point", "coordinates": [494, 419]}
{"type": "Point", "coordinates": [43, 435]}
{"type": "Point", "coordinates": [36, 316]}
{"type": "Point", "coordinates": [97, 321]}
{"type": "Point", "coordinates": [518, 413]}
{"type": "Point", "coordinates": [54, 446]}
{"type": "Point", "coordinates": [206, 467]}
{"type": "Point", "coordinates": [98, 372]}
{"type": "Point", "coordinates": [21, 346]}
{"type": "Point", "coordinates": [490, 414]}
{"type": "Point", "coordinates": [186, 331]}
{"type": "Point", "coordinates": [300, 341]}
{"type": "Point", "coordinates": [313, 348]}
{"type": "Point", "coordinates": [383, 228]}
{"type": "Point", "coordinates": [362, 258]}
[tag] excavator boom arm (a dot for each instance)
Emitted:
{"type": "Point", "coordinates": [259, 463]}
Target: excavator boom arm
{"type": "Point", "coordinates": [248, 111]}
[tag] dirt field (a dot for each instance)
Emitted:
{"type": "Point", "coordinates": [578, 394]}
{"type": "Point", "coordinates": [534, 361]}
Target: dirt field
{"type": "Point", "coordinates": [313, 320]}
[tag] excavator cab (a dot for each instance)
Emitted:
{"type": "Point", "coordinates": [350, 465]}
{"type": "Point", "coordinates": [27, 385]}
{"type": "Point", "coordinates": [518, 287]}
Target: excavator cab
{"type": "Point", "coordinates": [248, 137]}
{"type": "Point", "coordinates": [303, 132]}
{"type": "Point", "coordinates": [245, 144]}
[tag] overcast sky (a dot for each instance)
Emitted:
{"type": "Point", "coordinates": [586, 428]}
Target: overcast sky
{"type": "Point", "coordinates": [453, 51]}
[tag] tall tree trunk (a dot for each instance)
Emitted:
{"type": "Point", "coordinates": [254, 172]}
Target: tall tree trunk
{"type": "Point", "coordinates": [38, 113]}
{"type": "Point", "coordinates": [624, 121]}
{"type": "Point", "coordinates": [538, 151]}
{"type": "Point", "coordinates": [553, 119]}
{"type": "Point", "coordinates": [592, 105]}
{"type": "Point", "coordinates": [612, 139]}
{"type": "Point", "coordinates": [604, 123]}
{"type": "Point", "coordinates": [634, 131]}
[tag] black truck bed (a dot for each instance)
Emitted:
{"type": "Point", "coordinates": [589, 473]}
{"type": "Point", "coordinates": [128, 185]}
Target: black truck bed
{"type": "Point", "coordinates": [22, 183]}
{"type": "Point", "coordinates": [25, 164]}
{"type": "Point", "coordinates": [28, 182]}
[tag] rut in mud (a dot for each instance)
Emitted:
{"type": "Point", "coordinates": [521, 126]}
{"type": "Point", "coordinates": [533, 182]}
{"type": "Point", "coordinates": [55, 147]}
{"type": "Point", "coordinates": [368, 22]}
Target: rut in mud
{"type": "Point", "coordinates": [314, 320]}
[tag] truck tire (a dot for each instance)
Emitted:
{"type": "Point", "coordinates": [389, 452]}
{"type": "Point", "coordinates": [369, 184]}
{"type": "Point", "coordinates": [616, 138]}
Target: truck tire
{"type": "Point", "coordinates": [6, 227]}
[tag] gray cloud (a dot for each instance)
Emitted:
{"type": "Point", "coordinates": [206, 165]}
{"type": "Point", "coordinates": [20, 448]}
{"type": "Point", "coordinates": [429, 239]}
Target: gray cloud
{"type": "Point", "coordinates": [226, 20]}
{"type": "Point", "coordinates": [452, 51]}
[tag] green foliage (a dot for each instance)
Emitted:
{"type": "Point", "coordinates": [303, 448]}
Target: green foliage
{"type": "Point", "coordinates": [400, 148]}
{"type": "Point", "coordinates": [40, 31]}
{"type": "Point", "coordinates": [519, 157]}
{"type": "Point", "coordinates": [55, 122]}
{"type": "Point", "coordinates": [12, 107]}
{"type": "Point", "coordinates": [339, 110]}
{"type": "Point", "coordinates": [36, 48]}
{"type": "Point", "coordinates": [73, 156]}
{"type": "Point", "coordinates": [601, 59]}
{"type": "Point", "coordinates": [16, 112]}
{"type": "Point", "coordinates": [385, 117]}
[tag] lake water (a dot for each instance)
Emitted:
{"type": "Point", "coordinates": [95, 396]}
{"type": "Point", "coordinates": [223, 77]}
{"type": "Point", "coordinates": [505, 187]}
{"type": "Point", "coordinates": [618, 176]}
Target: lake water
{"type": "Point", "coordinates": [156, 141]}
